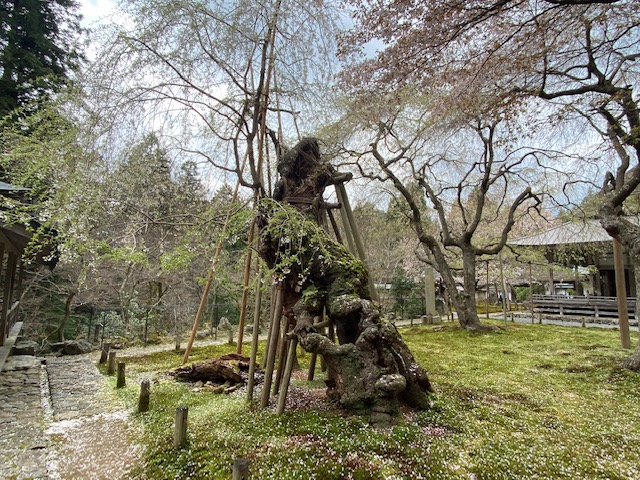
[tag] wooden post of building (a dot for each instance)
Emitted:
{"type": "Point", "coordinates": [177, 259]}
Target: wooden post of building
{"type": "Point", "coordinates": [111, 368]}
{"type": "Point", "coordinates": [145, 394]}
{"type": "Point", "coordinates": [503, 285]}
{"type": "Point", "coordinates": [487, 290]}
{"type": "Point", "coordinates": [121, 381]}
{"type": "Point", "coordinates": [180, 430]}
{"type": "Point", "coordinates": [531, 292]}
{"type": "Point", "coordinates": [621, 294]}
{"type": "Point", "coordinates": [240, 469]}
{"type": "Point", "coordinates": [104, 354]}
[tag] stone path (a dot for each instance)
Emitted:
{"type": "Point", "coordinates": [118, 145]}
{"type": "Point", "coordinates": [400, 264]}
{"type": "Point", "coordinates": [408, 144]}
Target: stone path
{"type": "Point", "coordinates": [23, 443]}
{"type": "Point", "coordinates": [61, 421]}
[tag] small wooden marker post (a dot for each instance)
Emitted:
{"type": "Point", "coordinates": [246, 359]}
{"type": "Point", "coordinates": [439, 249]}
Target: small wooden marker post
{"type": "Point", "coordinates": [143, 400]}
{"type": "Point", "coordinates": [111, 369]}
{"type": "Point", "coordinates": [180, 432]}
{"type": "Point", "coordinates": [240, 469]}
{"type": "Point", "coordinates": [106, 346]}
{"type": "Point", "coordinates": [121, 382]}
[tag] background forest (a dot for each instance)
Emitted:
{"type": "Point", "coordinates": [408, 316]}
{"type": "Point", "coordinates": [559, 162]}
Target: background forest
{"type": "Point", "coordinates": [147, 137]}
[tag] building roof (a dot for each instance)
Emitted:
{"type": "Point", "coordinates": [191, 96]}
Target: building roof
{"type": "Point", "coordinates": [583, 231]}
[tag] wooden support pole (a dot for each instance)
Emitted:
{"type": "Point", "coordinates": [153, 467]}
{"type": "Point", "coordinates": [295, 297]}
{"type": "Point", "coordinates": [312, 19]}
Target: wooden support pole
{"type": "Point", "coordinates": [240, 469]}
{"type": "Point", "coordinates": [282, 398]}
{"type": "Point", "coordinates": [255, 337]}
{"type": "Point", "coordinates": [272, 311]}
{"type": "Point", "coordinates": [145, 394]}
{"type": "Point", "coordinates": [312, 366]}
{"type": "Point", "coordinates": [346, 206]}
{"type": "Point", "coordinates": [621, 295]}
{"type": "Point", "coordinates": [314, 356]}
{"type": "Point", "coordinates": [121, 381]}
{"type": "Point", "coordinates": [111, 368]}
{"type": "Point", "coordinates": [212, 270]}
{"type": "Point", "coordinates": [245, 286]}
{"type": "Point", "coordinates": [180, 430]}
{"type": "Point", "coordinates": [104, 353]}
{"type": "Point", "coordinates": [272, 346]}
{"type": "Point", "coordinates": [282, 357]}
{"type": "Point", "coordinates": [345, 220]}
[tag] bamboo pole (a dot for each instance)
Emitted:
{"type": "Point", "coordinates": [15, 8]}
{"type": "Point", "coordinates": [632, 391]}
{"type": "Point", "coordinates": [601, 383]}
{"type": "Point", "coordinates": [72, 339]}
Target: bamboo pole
{"type": "Point", "coordinates": [271, 356]}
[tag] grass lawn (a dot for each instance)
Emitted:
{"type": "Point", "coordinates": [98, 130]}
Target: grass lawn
{"type": "Point", "coordinates": [531, 402]}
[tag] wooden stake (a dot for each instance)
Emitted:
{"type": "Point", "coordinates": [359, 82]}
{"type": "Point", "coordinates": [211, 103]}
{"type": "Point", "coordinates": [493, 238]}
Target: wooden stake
{"type": "Point", "coordinates": [121, 382]}
{"type": "Point", "coordinates": [273, 344]}
{"type": "Point", "coordinates": [145, 393]}
{"type": "Point", "coordinates": [111, 369]}
{"type": "Point", "coordinates": [104, 354]}
{"type": "Point", "coordinates": [180, 431]}
{"type": "Point", "coordinates": [240, 469]}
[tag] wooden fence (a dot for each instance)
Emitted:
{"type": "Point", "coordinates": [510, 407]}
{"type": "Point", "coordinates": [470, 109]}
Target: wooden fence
{"type": "Point", "coordinates": [590, 306]}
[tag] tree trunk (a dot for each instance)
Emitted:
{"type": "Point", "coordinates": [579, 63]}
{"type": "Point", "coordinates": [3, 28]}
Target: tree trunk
{"type": "Point", "coordinates": [466, 300]}
{"type": "Point", "coordinates": [629, 235]}
{"type": "Point", "coordinates": [371, 371]}
{"type": "Point", "coordinates": [65, 318]}
{"type": "Point", "coordinates": [633, 361]}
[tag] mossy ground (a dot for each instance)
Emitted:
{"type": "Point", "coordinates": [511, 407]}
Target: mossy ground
{"type": "Point", "coordinates": [534, 402]}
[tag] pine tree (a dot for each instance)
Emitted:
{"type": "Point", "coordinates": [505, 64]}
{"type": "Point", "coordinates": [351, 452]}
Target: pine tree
{"type": "Point", "coordinates": [38, 49]}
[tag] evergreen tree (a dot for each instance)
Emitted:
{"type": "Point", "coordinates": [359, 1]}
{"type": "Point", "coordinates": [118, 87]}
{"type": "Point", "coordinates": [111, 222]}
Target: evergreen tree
{"type": "Point", "coordinates": [38, 49]}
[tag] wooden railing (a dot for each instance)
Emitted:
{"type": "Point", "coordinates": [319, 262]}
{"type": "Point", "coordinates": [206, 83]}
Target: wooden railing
{"type": "Point", "coordinates": [591, 306]}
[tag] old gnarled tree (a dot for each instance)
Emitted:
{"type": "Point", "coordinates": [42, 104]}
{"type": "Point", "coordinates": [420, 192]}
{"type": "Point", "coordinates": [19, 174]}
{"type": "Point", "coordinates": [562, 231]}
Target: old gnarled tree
{"type": "Point", "coordinates": [371, 369]}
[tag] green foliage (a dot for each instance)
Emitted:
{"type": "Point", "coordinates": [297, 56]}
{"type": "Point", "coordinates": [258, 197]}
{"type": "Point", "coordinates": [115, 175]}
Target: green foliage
{"type": "Point", "coordinates": [522, 293]}
{"type": "Point", "coordinates": [38, 49]}
{"type": "Point", "coordinates": [302, 245]}
{"type": "Point", "coordinates": [535, 402]}
{"type": "Point", "coordinates": [407, 296]}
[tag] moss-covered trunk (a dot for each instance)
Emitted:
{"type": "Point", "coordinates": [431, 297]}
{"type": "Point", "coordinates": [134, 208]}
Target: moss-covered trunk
{"type": "Point", "coordinates": [371, 369]}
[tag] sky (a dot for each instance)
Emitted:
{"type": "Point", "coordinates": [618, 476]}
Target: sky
{"type": "Point", "coordinates": [93, 10]}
